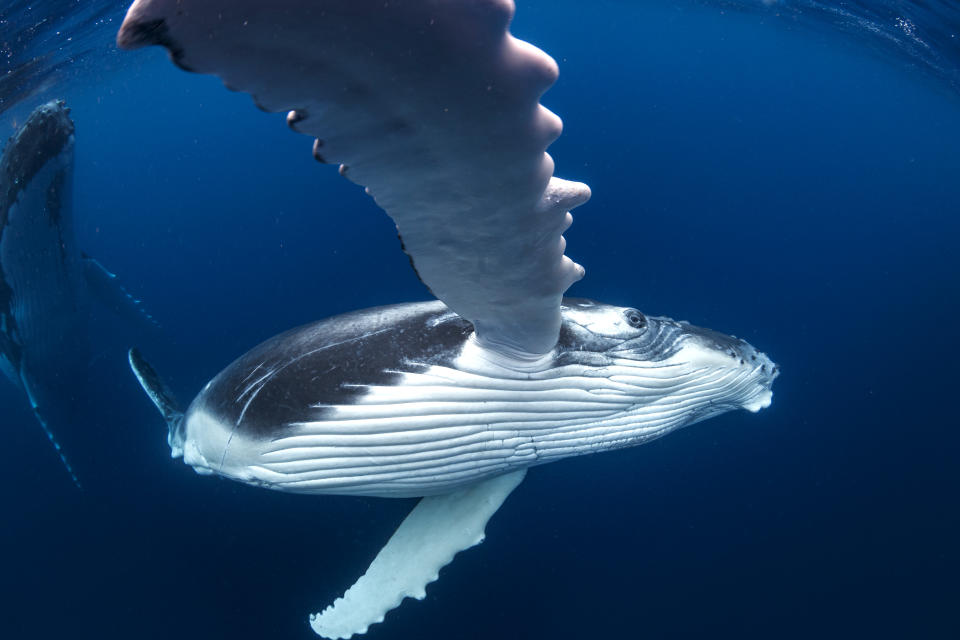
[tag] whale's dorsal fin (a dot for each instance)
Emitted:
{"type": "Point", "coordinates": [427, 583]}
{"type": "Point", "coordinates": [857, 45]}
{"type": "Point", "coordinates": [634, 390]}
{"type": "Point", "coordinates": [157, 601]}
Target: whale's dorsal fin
{"type": "Point", "coordinates": [436, 530]}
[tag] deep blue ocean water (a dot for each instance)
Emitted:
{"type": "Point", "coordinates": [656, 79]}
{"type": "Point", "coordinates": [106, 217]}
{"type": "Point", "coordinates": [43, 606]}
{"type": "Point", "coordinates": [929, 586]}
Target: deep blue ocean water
{"type": "Point", "coordinates": [778, 179]}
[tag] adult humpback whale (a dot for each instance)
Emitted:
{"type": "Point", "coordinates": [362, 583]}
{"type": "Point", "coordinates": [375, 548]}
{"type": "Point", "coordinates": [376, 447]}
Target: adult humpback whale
{"type": "Point", "coordinates": [46, 283]}
{"type": "Point", "coordinates": [434, 107]}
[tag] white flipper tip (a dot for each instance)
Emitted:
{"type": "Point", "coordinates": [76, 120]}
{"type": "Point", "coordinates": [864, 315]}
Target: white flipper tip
{"type": "Point", "coordinates": [426, 541]}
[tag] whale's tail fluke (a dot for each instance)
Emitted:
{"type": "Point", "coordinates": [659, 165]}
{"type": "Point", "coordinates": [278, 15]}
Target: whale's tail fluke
{"type": "Point", "coordinates": [162, 398]}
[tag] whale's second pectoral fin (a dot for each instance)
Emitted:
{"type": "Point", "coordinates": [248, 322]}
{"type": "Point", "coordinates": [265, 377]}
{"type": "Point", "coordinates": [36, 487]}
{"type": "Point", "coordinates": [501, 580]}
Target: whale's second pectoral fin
{"type": "Point", "coordinates": [105, 287]}
{"type": "Point", "coordinates": [426, 541]}
{"type": "Point", "coordinates": [38, 413]}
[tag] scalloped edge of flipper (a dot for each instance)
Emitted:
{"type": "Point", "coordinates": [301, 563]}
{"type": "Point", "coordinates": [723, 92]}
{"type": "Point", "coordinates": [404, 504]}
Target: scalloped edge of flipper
{"type": "Point", "coordinates": [427, 540]}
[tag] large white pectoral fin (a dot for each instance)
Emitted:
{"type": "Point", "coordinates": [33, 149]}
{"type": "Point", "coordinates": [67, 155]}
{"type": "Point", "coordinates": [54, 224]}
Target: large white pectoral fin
{"type": "Point", "coordinates": [433, 107]}
{"type": "Point", "coordinates": [425, 542]}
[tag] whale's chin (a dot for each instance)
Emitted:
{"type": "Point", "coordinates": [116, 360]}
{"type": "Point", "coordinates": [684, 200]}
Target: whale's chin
{"type": "Point", "coordinates": [760, 401]}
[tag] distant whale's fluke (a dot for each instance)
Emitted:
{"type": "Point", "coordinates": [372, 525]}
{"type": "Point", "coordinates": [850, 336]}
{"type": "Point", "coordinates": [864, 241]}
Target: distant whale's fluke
{"type": "Point", "coordinates": [46, 283]}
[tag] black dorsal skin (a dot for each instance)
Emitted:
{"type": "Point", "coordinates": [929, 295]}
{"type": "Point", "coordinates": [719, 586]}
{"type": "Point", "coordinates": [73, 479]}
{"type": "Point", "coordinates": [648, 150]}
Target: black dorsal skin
{"type": "Point", "coordinates": [330, 362]}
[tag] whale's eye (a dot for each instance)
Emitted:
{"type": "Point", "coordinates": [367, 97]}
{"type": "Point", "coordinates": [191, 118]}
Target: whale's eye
{"type": "Point", "coordinates": [636, 319]}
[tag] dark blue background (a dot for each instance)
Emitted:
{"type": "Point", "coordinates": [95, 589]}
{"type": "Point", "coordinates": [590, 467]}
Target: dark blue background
{"type": "Point", "coordinates": [779, 184]}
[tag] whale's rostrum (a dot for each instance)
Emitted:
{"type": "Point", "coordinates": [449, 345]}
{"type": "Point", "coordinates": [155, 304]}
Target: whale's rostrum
{"type": "Point", "coordinates": [433, 107]}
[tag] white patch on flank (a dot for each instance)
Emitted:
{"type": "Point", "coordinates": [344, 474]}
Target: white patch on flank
{"type": "Point", "coordinates": [475, 358]}
{"type": "Point", "coordinates": [205, 434]}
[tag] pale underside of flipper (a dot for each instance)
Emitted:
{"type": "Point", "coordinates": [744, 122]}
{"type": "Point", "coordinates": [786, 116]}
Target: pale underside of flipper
{"type": "Point", "coordinates": [427, 540]}
{"type": "Point", "coordinates": [430, 104]}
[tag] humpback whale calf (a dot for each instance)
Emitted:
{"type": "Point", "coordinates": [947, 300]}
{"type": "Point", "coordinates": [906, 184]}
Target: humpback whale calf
{"type": "Point", "coordinates": [46, 283]}
{"type": "Point", "coordinates": [434, 107]}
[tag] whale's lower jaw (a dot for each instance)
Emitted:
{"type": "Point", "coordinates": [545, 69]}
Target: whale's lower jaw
{"type": "Point", "coordinates": [761, 400]}
{"type": "Point", "coordinates": [439, 428]}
